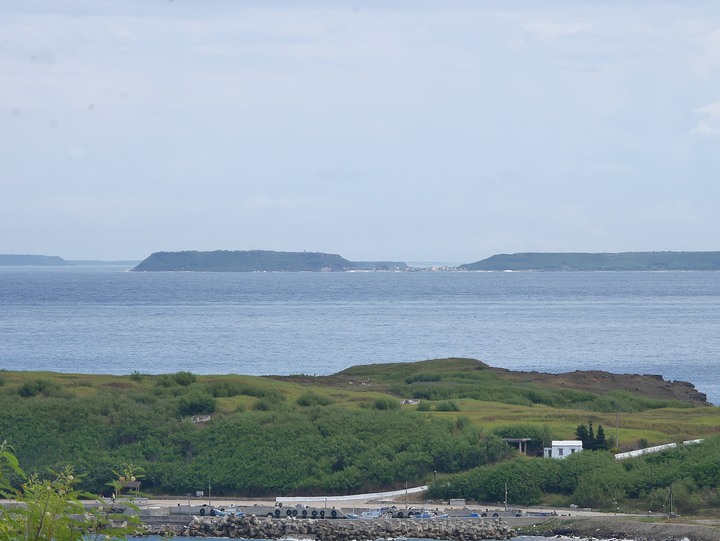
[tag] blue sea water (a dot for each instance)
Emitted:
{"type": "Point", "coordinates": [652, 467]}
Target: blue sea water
{"type": "Point", "coordinates": [106, 320]}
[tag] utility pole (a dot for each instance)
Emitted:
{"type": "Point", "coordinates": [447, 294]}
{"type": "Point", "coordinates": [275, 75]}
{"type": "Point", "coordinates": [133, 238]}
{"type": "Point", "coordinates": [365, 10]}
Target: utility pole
{"type": "Point", "coordinates": [506, 506]}
{"type": "Point", "coordinates": [209, 496]}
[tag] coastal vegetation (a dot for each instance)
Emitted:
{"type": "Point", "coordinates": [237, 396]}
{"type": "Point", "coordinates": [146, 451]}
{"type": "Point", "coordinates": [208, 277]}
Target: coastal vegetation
{"type": "Point", "coordinates": [49, 507]}
{"type": "Point", "coordinates": [691, 474]}
{"type": "Point", "coordinates": [366, 428]}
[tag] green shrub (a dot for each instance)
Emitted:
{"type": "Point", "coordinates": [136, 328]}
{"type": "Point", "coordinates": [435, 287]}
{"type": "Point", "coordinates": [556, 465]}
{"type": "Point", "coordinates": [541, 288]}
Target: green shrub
{"type": "Point", "coordinates": [225, 389]}
{"type": "Point", "coordinates": [386, 403]}
{"type": "Point", "coordinates": [447, 405]}
{"type": "Point", "coordinates": [195, 402]}
{"type": "Point", "coordinates": [165, 380]}
{"type": "Point", "coordinates": [313, 399]}
{"type": "Point", "coordinates": [184, 378]}
{"type": "Point", "coordinates": [39, 387]}
{"type": "Point", "coordinates": [264, 404]}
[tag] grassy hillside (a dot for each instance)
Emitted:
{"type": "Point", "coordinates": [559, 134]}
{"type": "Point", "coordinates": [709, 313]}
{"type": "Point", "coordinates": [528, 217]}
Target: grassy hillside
{"type": "Point", "coordinates": [300, 434]}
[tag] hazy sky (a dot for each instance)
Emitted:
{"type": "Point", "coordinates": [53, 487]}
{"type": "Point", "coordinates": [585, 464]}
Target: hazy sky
{"type": "Point", "coordinates": [443, 130]}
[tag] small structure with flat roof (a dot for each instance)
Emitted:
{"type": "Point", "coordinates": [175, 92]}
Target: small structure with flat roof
{"type": "Point", "coordinates": [521, 444]}
{"type": "Point", "coordinates": [562, 448]}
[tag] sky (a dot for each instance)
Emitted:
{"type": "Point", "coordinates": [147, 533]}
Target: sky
{"type": "Point", "coordinates": [428, 130]}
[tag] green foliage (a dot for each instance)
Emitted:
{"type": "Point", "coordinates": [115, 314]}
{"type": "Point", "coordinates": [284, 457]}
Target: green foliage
{"type": "Point", "coordinates": [264, 404]}
{"type": "Point", "coordinates": [310, 398]}
{"type": "Point", "coordinates": [129, 473]}
{"type": "Point", "coordinates": [383, 403]}
{"type": "Point", "coordinates": [184, 378]}
{"type": "Point", "coordinates": [424, 405]}
{"type": "Point", "coordinates": [423, 377]}
{"type": "Point", "coordinates": [334, 449]}
{"type": "Point", "coordinates": [136, 376]}
{"type": "Point", "coordinates": [469, 379]}
{"type": "Point", "coordinates": [195, 402]}
{"type": "Point", "coordinates": [447, 405]}
{"type": "Point", "coordinates": [596, 479]}
{"type": "Point", "coordinates": [590, 440]}
{"type": "Point", "coordinates": [527, 479]}
{"type": "Point", "coordinates": [165, 380]}
{"type": "Point", "coordinates": [37, 387]}
{"type": "Point", "coordinates": [225, 388]}
{"type": "Point", "coordinates": [50, 509]}
{"type": "Point", "coordinates": [337, 445]}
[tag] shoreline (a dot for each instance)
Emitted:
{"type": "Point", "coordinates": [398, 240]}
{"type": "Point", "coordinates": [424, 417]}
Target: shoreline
{"type": "Point", "coordinates": [585, 525]}
{"type": "Point", "coordinates": [622, 528]}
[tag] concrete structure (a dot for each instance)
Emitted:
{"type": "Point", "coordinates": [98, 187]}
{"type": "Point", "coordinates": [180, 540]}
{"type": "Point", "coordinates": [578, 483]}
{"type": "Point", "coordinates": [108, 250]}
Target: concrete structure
{"type": "Point", "coordinates": [562, 448]}
{"type": "Point", "coordinates": [519, 443]}
{"type": "Point", "coordinates": [656, 449]}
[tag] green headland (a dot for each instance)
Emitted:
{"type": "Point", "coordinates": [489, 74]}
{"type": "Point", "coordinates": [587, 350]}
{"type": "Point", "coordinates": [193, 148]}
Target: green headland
{"type": "Point", "coordinates": [373, 427]}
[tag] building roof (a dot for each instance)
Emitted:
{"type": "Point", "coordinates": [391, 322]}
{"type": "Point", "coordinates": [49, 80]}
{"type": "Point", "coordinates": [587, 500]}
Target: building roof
{"type": "Point", "coordinates": [566, 443]}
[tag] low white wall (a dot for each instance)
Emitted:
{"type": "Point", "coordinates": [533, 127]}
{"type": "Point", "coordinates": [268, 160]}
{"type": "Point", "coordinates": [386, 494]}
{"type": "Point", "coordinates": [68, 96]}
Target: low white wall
{"type": "Point", "coordinates": [655, 449]}
{"type": "Point", "coordinates": [352, 497]}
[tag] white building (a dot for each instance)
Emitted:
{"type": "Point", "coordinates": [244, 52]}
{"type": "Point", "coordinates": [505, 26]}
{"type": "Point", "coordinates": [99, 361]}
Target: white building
{"type": "Point", "coordinates": [562, 448]}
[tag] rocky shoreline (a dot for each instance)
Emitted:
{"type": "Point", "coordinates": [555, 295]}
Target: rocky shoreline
{"type": "Point", "coordinates": [336, 530]}
{"type": "Point", "coordinates": [617, 528]}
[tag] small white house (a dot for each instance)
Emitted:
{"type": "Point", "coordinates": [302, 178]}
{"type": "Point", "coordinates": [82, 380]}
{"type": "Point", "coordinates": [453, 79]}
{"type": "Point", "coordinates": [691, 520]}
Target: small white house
{"type": "Point", "coordinates": [562, 448]}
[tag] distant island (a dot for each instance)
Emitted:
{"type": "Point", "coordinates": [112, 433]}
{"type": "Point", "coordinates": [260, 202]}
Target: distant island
{"type": "Point", "coordinates": [18, 260]}
{"type": "Point", "coordinates": [27, 260]}
{"type": "Point", "coordinates": [257, 261]}
{"type": "Point", "coordinates": [271, 261]}
{"type": "Point", "coordinates": [625, 261]}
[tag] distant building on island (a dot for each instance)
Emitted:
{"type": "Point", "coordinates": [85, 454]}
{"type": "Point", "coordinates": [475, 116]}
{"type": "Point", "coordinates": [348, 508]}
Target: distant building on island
{"type": "Point", "coordinates": [562, 448]}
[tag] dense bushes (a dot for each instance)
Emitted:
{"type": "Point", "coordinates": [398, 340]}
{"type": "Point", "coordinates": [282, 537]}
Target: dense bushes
{"type": "Point", "coordinates": [272, 446]}
{"type": "Point", "coordinates": [270, 437]}
{"type": "Point", "coordinates": [311, 398]}
{"type": "Point", "coordinates": [596, 479]}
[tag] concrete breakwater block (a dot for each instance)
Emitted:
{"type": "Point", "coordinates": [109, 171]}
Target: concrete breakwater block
{"type": "Point", "coordinates": [345, 530]}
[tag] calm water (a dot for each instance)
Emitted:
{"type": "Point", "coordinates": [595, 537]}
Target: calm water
{"type": "Point", "coordinates": [105, 320]}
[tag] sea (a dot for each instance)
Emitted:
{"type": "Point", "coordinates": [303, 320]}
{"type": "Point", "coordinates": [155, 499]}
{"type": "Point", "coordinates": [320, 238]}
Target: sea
{"type": "Point", "coordinates": [105, 319]}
